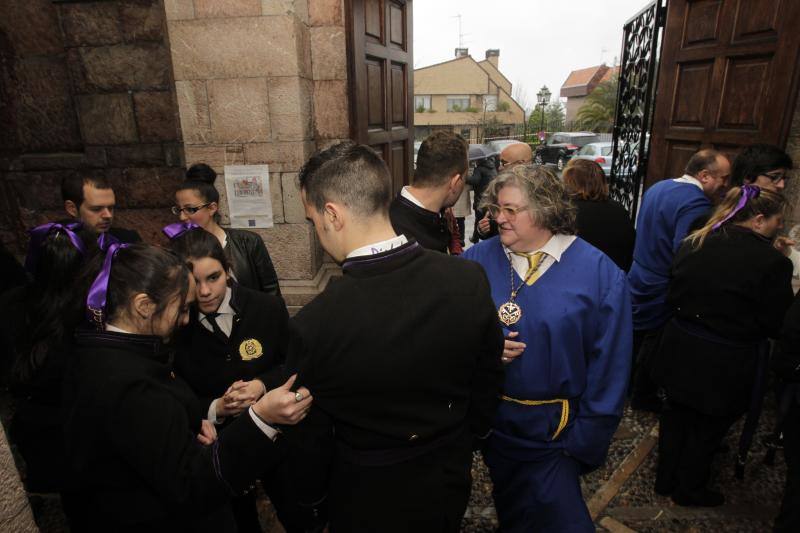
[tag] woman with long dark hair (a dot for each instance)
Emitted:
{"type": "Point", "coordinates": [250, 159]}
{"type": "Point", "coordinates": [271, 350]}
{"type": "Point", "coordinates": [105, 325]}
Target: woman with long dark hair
{"type": "Point", "coordinates": [36, 332]}
{"type": "Point", "coordinates": [140, 455]}
{"type": "Point", "coordinates": [729, 291]}
{"type": "Point", "coordinates": [197, 200]}
{"type": "Point", "coordinates": [233, 348]}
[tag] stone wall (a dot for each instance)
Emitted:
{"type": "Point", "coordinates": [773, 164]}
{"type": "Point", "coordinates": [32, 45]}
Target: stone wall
{"type": "Point", "coordinates": [86, 87]}
{"type": "Point", "coordinates": [792, 190]}
{"type": "Point", "coordinates": [263, 82]}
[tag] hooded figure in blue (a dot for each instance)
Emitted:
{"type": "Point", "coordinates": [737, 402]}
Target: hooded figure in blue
{"type": "Point", "coordinates": [566, 311]}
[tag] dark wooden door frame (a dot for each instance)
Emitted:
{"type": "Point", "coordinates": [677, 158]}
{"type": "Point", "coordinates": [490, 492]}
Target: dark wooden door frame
{"type": "Point", "coordinates": [720, 51]}
{"type": "Point", "coordinates": [357, 50]}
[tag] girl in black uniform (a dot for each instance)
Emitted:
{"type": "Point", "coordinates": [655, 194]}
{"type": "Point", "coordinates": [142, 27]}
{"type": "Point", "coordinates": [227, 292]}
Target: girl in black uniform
{"type": "Point", "coordinates": [197, 201]}
{"type": "Point", "coordinates": [132, 427]}
{"type": "Point", "coordinates": [233, 348]}
{"type": "Point", "coordinates": [36, 333]}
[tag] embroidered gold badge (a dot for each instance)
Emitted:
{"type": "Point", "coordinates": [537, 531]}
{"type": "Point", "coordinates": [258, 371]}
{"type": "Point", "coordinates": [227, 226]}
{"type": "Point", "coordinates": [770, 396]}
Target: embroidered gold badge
{"type": "Point", "coordinates": [250, 349]}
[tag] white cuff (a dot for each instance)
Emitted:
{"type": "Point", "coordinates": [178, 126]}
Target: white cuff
{"type": "Point", "coordinates": [212, 414]}
{"type": "Point", "coordinates": [268, 430]}
{"type": "Point", "coordinates": [794, 257]}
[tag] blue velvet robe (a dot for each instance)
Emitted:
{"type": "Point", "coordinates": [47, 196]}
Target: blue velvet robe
{"type": "Point", "coordinates": [576, 323]}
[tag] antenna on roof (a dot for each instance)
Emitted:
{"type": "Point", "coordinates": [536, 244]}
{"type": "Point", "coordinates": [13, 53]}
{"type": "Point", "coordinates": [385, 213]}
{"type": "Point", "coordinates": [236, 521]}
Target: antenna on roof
{"type": "Point", "coordinates": [603, 51]}
{"type": "Point", "coordinates": [460, 33]}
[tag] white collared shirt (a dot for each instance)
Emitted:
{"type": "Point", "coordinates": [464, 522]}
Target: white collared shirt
{"type": "Point", "coordinates": [686, 178]}
{"type": "Point", "coordinates": [405, 193]}
{"type": "Point", "coordinates": [225, 318]}
{"type": "Point", "coordinates": [114, 329]}
{"type": "Point", "coordinates": [553, 249]}
{"type": "Point", "coordinates": [379, 247]}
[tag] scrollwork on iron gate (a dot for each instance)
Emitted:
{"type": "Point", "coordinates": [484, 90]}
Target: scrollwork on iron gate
{"type": "Point", "coordinates": [641, 47]}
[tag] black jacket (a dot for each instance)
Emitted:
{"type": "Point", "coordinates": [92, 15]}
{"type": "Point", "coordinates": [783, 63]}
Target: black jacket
{"type": "Point", "coordinates": [132, 454]}
{"type": "Point", "coordinates": [393, 368]}
{"type": "Point", "coordinates": [727, 297]}
{"type": "Point", "coordinates": [252, 265]}
{"type": "Point", "coordinates": [609, 228]}
{"type": "Point", "coordinates": [210, 364]}
{"type": "Point", "coordinates": [429, 229]}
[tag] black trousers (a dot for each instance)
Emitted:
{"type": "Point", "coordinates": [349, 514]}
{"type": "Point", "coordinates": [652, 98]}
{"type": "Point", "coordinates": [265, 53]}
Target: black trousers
{"type": "Point", "coordinates": [645, 344]}
{"type": "Point", "coordinates": [274, 482]}
{"type": "Point", "coordinates": [687, 441]}
{"type": "Point", "coordinates": [788, 519]}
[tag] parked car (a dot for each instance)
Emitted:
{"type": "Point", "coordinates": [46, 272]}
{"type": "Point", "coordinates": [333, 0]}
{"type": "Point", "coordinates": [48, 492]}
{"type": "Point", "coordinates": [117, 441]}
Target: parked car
{"type": "Point", "coordinates": [499, 145]}
{"type": "Point", "coordinates": [601, 153]}
{"type": "Point", "coordinates": [561, 146]}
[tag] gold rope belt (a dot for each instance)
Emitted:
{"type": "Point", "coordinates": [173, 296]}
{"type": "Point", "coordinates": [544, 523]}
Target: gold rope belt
{"type": "Point", "coordinates": [564, 410]}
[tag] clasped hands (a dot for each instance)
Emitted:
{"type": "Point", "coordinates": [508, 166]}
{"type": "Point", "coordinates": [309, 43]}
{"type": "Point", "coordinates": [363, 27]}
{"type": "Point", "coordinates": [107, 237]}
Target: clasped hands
{"type": "Point", "coordinates": [279, 406]}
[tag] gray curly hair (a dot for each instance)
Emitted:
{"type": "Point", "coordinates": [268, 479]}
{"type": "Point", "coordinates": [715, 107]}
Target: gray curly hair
{"type": "Point", "coordinates": [550, 205]}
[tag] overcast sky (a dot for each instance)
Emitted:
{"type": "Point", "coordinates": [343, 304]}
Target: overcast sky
{"type": "Point", "coordinates": [540, 41]}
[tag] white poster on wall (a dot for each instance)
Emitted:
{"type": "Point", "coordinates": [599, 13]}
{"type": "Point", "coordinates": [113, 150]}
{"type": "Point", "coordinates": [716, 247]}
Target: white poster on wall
{"type": "Point", "coordinates": [249, 201]}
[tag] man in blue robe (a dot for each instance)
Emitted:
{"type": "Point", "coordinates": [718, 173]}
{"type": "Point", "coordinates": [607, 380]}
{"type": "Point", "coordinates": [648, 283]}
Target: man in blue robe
{"type": "Point", "coordinates": [567, 316]}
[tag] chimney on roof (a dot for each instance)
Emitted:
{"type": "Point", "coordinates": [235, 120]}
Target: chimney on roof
{"type": "Point", "coordinates": [493, 57]}
{"type": "Point", "coordinates": [462, 52]}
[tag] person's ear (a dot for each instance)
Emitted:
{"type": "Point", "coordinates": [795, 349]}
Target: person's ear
{"type": "Point", "coordinates": [333, 215]}
{"type": "Point", "coordinates": [454, 181]}
{"type": "Point", "coordinates": [71, 208]}
{"type": "Point", "coordinates": [213, 207]}
{"type": "Point", "coordinates": [143, 306]}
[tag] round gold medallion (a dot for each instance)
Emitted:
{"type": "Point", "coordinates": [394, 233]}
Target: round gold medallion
{"type": "Point", "coordinates": [250, 349]}
{"type": "Point", "coordinates": [509, 313]}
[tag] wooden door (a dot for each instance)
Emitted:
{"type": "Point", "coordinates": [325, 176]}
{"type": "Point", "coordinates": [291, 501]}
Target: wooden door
{"type": "Point", "coordinates": [727, 79]}
{"type": "Point", "coordinates": [381, 81]}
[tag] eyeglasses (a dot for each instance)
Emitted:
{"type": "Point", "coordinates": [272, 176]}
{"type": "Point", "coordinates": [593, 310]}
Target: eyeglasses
{"type": "Point", "coordinates": [510, 212]}
{"type": "Point", "coordinates": [189, 209]}
{"type": "Point", "coordinates": [775, 176]}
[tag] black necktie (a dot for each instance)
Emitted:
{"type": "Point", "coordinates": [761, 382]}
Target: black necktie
{"type": "Point", "coordinates": [212, 319]}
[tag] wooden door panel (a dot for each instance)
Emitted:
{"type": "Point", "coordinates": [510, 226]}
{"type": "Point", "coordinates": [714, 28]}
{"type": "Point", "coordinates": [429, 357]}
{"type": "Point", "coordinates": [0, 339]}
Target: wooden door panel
{"type": "Point", "coordinates": [756, 19]}
{"type": "Point", "coordinates": [691, 93]}
{"type": "Point", "coordinates": [743, 93]}
{"type": "Point", "coordinates": [728, 78]}
{"type": "Point", "coordinates": [381, 80]}
{"type": "Point", "coordinates": [701, 25]}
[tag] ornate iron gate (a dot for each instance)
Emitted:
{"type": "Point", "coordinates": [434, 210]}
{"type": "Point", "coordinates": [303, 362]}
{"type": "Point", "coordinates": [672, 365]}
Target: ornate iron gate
{"type": "Point", "coordinates": [641, 48]}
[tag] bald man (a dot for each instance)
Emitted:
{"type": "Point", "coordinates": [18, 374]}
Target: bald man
{"type": "Point", "coordinates": [512, 155]}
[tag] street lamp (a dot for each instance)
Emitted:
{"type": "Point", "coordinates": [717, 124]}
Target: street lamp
{"type": "Point", "coordinates": [543, 97]}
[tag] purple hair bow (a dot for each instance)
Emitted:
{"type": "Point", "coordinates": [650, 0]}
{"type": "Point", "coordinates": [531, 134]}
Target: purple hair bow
{"type": "Point", "coordinates": [173, 231]}
{"type": "Point", "coordinates": [40, 233]}
{"type": "Point", "coordinates": [105, 240]}
{"type": "Point", "coordinates": [748, 193]}
{"type": "Point", "coordinates": [98, 293]}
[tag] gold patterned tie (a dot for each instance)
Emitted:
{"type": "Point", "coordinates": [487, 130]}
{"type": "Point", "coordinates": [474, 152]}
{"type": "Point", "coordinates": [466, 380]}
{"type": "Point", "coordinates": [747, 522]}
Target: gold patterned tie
{"type": "Point", "coordinates": [534, 262]}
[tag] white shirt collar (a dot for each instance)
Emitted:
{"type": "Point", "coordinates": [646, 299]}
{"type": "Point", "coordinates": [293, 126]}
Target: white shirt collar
{"type": "Point", "coordinates": [405, 193]}
{"type": "Point", "coordinates": [378, 247]}
{"type": "Point", "coordinates": [554, 247]}
{"type": "Point", "coordinates": [115, 329]}
{"type": "Point", "coordinates": [686, 178]}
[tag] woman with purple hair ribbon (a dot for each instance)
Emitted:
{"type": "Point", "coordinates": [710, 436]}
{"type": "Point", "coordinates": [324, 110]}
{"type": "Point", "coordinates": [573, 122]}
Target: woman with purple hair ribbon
{"type": "Point", "coordinates": [729, 291]}
{"type": "Point", "coordinates": [36, 332]}
{"type": "Point", "coordinates": [139, 454]}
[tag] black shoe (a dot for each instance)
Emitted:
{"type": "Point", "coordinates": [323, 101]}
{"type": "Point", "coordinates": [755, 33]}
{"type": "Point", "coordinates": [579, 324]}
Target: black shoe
{"type": "Point", "coordinates": [701, 498]}
{"type": "Point", "coordinates": [649, 403]}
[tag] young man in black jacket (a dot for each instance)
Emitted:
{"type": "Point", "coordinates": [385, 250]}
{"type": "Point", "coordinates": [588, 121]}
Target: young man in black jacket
{"type": "Point", "coordinates": [418, 211]}
{"type": "Point", "coordinates": [401, 398]}
{"type": "Point", "coordinates": [91, 200]}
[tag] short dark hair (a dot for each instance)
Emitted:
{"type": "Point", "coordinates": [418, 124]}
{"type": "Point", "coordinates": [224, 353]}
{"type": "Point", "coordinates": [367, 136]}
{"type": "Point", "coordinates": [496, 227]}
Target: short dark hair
{"type": "Point", "coordinates": [198, 244]}
{"type": "Point", "coordinates": [72, 186]}
{"type": "Point", "coordinates": [442, 154]}
{"type": "Point", "coordinates": [353, 174]}
{"type": "Point", "coordinates": [705, 159]}
{"type": "Point", "coordinates": [757, 159]}
{"type": "Point", "coordinates": [585, 180]}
